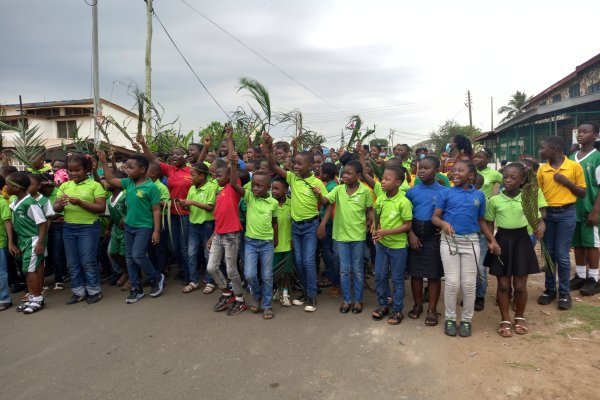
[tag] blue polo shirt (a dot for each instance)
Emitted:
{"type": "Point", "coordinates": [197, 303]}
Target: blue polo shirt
{"type": "Point", "coordinates": [423, 198]}
{"type": "Point", "coordinates": [462, 208]}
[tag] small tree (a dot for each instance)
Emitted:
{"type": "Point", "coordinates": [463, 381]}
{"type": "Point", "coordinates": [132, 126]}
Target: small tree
{"type": "Point", "coordinates": [514, 107]}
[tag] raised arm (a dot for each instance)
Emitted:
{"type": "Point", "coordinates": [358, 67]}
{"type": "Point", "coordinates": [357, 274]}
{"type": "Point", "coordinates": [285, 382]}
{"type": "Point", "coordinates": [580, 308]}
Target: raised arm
{"type": "Point", "coordinates": [207, 142]}
{"type": "Point", "coordinates": [233, 176]}
{"type": "Point", "coordinates": [268, 152]}
{"type": "Point", "coordinates": [363, 161]}
{"type": "Point", "coordinates": [149, 155]}
{"type": "Point", "coordinates": [110, 178]}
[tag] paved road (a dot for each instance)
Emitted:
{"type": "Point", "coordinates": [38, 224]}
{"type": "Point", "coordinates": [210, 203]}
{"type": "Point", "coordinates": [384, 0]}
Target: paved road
{"type": "Point", "coordinates": [175, 346]}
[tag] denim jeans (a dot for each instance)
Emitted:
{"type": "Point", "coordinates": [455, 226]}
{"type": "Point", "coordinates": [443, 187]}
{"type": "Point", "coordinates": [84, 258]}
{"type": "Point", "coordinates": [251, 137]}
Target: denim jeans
{"type": "Point", "coordinates": [81, 245]}
{"type": "Point", "coordinates": [259, 251]}
{"type": "Point", "coordinates": [560, 227]}
{"type": "Point", "coordinates": [330, 256]}
{"type": "Point", "coordinates": [179, 243]}
{"type": "Point", "coordinates": [482, 275]}
{"type": "Point", "coordinates": [4, 290]}
{"type": "Point", "coordinates": [390, 261]}
{"type": "Point", "coordinates": [158, 254]}
{"type": "Point", "coordinates": [351, 262]}
{"type": "Point", "coordinates": [137, 241]}
{"type": "Point", "coordinates": [56, 251]}
{"type": "Point", "coordinates": [304, 238]}
{"type": "Point", "coordinates": [198, 237]}
{"type": "Point", "coordinates": [225, 244]}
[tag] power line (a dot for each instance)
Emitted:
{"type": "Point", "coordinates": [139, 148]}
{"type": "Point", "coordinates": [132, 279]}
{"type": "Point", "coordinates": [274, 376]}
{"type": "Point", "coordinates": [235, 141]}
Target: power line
{"type": "Point", "coordinates": [190, 67]}
{"type": "Point", "coordinates": [265, 59]}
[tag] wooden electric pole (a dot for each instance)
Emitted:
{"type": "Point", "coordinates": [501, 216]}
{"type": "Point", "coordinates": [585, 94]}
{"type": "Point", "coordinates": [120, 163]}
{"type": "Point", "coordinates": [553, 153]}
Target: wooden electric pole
{"type": "Point", "coordinates": [95, 72]}
{"type": "Point", "coordinates": [148, 111]}
{"type": "Point", "coordinates": [470, 108]}
{"type": "Point", "coordinates": [492, 112]}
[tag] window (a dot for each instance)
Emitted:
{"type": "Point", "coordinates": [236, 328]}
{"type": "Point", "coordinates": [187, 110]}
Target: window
{"type": "Point", "coordinates": [78, 111]}
{"type": "Point", "coordinates": [15, 122]}
{"type": "Point", "coordinates": [574, 90]}
{"type": "Point", "coordinates": [556, 99]}
{"type": "Point", "coordinates": [47, 112]}
{"type": "Point", "coordinates": [542, 103]}
{"type": "Point", "coordinates": [595, 88]}
{"type": "Point", "coordinates": [66, 128]}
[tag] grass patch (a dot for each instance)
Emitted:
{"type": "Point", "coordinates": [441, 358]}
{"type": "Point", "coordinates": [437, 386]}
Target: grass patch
{"type": "Point", "coordinates": [582, 318]}
{"type": "Point", "coordinates": [521, 365]}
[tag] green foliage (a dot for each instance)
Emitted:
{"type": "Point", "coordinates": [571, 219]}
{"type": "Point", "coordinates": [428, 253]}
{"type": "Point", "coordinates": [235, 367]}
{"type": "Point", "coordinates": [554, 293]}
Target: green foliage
{"type": "Point", "coordinates": [252, 123]}
{"type": "Point", "coordinates": [376, 168]}
{"type": "Point", "coordinates": [438, 139]}
{"type": "Point", "coordinates": [380, 142]}
{"type": "Point", "coordinates": [514, 107]}
{"type": "Point", "coordinates": [29, 145]}
{"type": "Point", "coordinates": [357, 133]}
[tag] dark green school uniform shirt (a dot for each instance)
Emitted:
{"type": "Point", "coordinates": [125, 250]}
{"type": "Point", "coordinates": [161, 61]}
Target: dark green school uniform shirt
{"type": "Point", "coordinates": [139, 200]}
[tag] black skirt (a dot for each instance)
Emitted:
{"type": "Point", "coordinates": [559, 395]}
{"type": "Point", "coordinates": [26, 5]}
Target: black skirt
{"type": "Point", "coordinates": [425, 263]}
{"type": "Point", "coordinates": [518, 256]}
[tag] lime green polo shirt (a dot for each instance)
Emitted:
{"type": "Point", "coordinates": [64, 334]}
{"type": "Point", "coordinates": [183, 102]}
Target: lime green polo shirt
{"type": "Point", "coordinates": [165, 195]}
{"type": "Point", "coordinates": [490, 179]}
{"type": "Point", "coordinates": [506, 212]}
{"type": "Point", "coordinates": [88, 190]}
{"type": "Point", "coordinates": [52, 198]}
{"type": "Point", "coordinates": [259, 216]}
{"type": "Point", "coordinates": [284, 227]}
{"type": "Point", "coordinates": [379, 190]}
{"type": "Point", "coordinates": [305, 204]}
{"type": "Point", "coordinates": [349, 224]}
{"type": "Point", "coordinates": [393, 212]}
{"type": "Point", "coordinates": [5, 215]}
{"type": "Point", "coordinates": [205, 194]}
{"type": "Point", "coordinates": [140, 199]}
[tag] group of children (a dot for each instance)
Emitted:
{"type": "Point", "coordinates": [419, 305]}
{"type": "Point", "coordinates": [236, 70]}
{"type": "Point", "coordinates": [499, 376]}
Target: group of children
{"type": "Point", "coordinates": [217, 212]}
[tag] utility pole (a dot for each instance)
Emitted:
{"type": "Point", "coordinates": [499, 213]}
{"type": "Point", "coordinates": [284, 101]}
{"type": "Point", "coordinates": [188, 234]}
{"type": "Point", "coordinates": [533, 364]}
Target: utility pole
{"type": "Point", "coordinates": [492, 112]}
{"type": "Point", "coordinates": [469, 107]}
{"type": "Point", "coordinates": [95, 73]}
{"type": "Point", "coordinates": [148, 111]}
{"type": "Point", "coordinates": [342, 139]}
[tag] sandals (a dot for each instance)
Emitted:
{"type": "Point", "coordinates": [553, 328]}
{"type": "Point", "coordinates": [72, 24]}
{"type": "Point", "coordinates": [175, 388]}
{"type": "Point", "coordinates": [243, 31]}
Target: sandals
{"type": "Point", "coordinates": [268, 313]}
{"type": "Point", "coordinates": [209, 288]}
{"type": "Point", "coordinates": [58, 287]}
{"type": "Point", "coordinates": [416, 312]}
{"type": "Point", "coordinates": [190, 287]}
{"type": "Point", "coordinates": [432, 318]}
{"type": "Point", "coordinates": [325, 282]}
{"type": "Point", "coordinates": [395, 318]}
{"type": "Point", "coordinates": [520, 329]}
{"type": "Point", "coordinates": [33, 306]}
{"type": "Point", "coordinates": [379, 313]}
{"type": "Point", "coordinates": [344, 308]}
{"type": "Point", "coordinates": [357, 309]}
{"type": "Point", "coordinates": [504, 329]}
{"type": "Point", "coordinates": [334, 292]}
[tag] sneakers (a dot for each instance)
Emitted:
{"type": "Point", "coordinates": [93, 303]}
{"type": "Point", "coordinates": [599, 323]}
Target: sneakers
{"type": "Point", "coordinates": [479, 303]}
{"type": "Point", "coordinates": [237, 307]}
{"type": "Point", "coordinates": [58, 287]}
{"type": "Point", "coordinates": [33, 306]}
{"type": "Point", "coordinates": [546, 297]}
{"type": "Point", "coordinates": [450, 327]}
{"type": "Point", "coordinates": [311, 305]}
{"type": "Point", "coordinates": [135, 295]}
{"type": "Point", "coordinates": [465, 329]}
{"type": "Point", "coordinates": [224, 302]}
{"type": "Point", "coordinates": [300, 300]}
{"type": "Point", "coordinates": [590, 287]}
{"type": "Point", "coordinates": [576, 283]}
{"type": "Point", "coordinates": [156, 288]}
{"type": "Point", "coordinates": [564, 302]}
{"type": "Point", "coordinates": [94, 298]}
{"type": "Point", "coordinates": [285, 301]}
{"type": "Point", "coordinates": [75, 299]}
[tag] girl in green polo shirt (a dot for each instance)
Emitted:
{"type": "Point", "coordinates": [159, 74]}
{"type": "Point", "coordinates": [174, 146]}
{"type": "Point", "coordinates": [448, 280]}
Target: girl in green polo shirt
{"type": "Point", "coordinates": [518, 258]}
{"type": "Point", "coordinates": [82, 199]}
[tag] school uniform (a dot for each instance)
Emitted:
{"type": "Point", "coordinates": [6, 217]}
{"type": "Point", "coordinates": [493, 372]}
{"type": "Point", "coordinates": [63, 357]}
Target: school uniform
{"type": "Point", "coordinates": [5, 215]}
{"type": "Point", "coordinates": [158, 254]}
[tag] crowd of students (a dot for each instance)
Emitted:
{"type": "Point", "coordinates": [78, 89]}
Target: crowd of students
{"type": "Point", "coordinates": [229, 220]}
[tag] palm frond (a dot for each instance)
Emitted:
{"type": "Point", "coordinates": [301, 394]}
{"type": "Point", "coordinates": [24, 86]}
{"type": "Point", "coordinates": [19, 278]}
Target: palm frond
{"type": "Point", "coordinates": [376, 168]}
{"type": "Point", "coordinates": [260, 95]}
{"type": "Point", "coordinates": [29, 145]}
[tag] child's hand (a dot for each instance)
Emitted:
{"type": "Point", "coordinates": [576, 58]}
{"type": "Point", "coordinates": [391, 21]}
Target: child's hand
{"type": "Point", "coordinates": [102, 156]}
{"type": "Point", "coordinates": [140, 139]}
{"type": "Point", "coordinates": [359, 149]}
{"type": "Point", "coordinates": [229, 131]}
{"type": "Point", "coordinates": [316, 190]}
{"type": "Point", "coordinates": [14, 250]}
{"type": "Point", "coordinates": [541, 229]}
{"type": "Point", "coordinates": [447, 228]}
{"type": "Point", "coordinates": [155, 238]}
{"type": "Point", "coordinates": [62, 201]}
{"type": "Point", "coordinates": [275, 242]}
{"type": "Point", "coordinates": [267, 139]}
{"type": "Point", "coordinates": [94, 164]}
{"type": "Point", "coordinates": [560, 178]}
{"type": "Point", "coordinates": [209, 243]}
{"type": "Point", "coordinates": [378, 234]}
{"type": "Point", "coordinates": [592, 219]}
{"type": "Point", "coordinates": [321, 232]}
{"type": "Point", "coordinates": [207, 141]}
{"type": "Point", "coordinates": [494, 247]}
{"type": "Point", "coordinates": [39, 249]}
{"type": "Point", "coordinates": [75, 201]}
{"type": "Point", "coordinates": [415, 242]}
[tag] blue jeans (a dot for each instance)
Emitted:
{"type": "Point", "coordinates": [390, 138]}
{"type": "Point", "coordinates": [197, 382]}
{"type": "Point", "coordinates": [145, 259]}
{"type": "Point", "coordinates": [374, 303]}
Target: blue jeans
{"type": "Point", "coordinates": [330, 256]}
{"type": "Point", "coordinates": [56, 251]}
{"type": "Point", "coordinates": [137, 241]}
{"type": "Point", "coordinates": [81, 246]}
{"type": "Point", "coordinates": [482, 275]}
{"type": "Point", "coordinates": [304, 238]}
{"type": "Point", "coordinates": [179, 243]}
{"type": "Point", "coordinates": [259, 251]}
{"type": "Point", "coordinates": [390, 260]}
{"type": "Point", "coordinates": [351, 261]}
{"type": "Point", "coordinates": [4, 291]}
{"type": "Point", "coordinates": [158, 254]}
{"type": "Point", "coordinates": [199, 235]}
{"type": "Point", "coordinates": [560, 227]}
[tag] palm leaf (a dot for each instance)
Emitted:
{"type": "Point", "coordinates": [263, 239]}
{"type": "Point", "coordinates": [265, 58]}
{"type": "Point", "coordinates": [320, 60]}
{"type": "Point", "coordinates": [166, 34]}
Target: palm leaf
{"type": "Point", "coordinates": [376, 168]}
{"type": "Point", "coordinates": [260, 95]}
{"type": "Point", "coordinates": [29, 145]}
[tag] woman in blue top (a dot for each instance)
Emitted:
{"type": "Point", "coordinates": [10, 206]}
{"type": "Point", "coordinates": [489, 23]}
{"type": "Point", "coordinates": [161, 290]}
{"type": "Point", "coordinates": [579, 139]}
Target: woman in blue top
{"type": "Point", "coordinates": [459, 213]}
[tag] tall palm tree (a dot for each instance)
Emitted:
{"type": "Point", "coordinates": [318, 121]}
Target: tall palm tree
{"type": "Point", "coordinates": [514, 107]}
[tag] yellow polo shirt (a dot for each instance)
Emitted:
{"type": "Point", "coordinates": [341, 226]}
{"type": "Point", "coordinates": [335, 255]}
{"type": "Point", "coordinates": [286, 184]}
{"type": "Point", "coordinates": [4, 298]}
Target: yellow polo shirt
{"type": "Point", "coordinates": [556, 194]}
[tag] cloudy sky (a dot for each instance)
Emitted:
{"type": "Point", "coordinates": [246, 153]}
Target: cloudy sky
{"type": "Point", "coordinates": [400, 65]}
